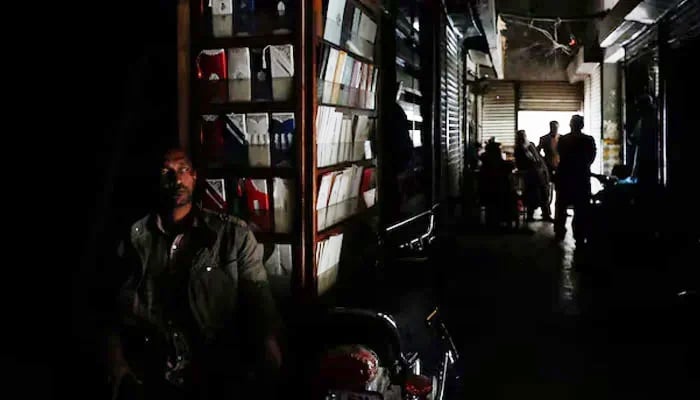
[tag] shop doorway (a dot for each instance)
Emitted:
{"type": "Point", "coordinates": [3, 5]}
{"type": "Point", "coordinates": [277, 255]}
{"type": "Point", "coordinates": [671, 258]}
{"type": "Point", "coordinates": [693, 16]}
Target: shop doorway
{"type": "Point", "coordinates": [536, 125]}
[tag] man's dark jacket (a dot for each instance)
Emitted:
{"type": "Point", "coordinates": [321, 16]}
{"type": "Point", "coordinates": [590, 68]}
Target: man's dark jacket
{"type": "Point", "coordinates": [226, 270]}
{"type": "Point", "coordinates": [577, 151]}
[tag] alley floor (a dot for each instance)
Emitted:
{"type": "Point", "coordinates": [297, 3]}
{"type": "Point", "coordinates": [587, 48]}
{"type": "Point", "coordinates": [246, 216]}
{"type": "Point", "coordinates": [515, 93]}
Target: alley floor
{"type": "Point", "coordinates": [538, 319]}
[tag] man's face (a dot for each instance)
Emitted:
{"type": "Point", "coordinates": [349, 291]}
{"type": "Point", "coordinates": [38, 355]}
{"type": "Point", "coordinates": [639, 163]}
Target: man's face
{"type": "Point", "coordinates": [554, 128]}
{"type": "Point", "coordinates": [177, 179]}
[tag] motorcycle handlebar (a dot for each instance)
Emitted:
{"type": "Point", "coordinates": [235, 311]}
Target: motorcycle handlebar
{"type": "Point", "coordinates": [435, 322]}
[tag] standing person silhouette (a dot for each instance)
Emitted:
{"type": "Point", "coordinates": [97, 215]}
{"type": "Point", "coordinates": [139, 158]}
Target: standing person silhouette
{"type": "Point", "coordinates": [644, 139]}
{"type": "Point", "coordinates": [548, 144]}
{"type": "Point", "coordinates": [536, 175]}
{"type": "Point", "coordinates": [577, 151]}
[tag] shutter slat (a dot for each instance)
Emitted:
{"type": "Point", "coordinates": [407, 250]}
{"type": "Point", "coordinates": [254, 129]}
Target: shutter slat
{"type": "Point", "coordinates": [596, 118]}
{"type": "Point", "coordinates": [498, 119]}
{"type": "Point", "coordinates": [550, 96]}
{"type": "Point", "coordinates": [684, 23]}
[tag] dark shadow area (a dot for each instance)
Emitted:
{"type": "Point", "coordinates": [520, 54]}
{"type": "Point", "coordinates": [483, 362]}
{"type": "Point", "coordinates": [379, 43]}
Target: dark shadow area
{"type": "Point", "coordinates": [127, 114]}
{"type": "Point", "coordinates": [534, 317]}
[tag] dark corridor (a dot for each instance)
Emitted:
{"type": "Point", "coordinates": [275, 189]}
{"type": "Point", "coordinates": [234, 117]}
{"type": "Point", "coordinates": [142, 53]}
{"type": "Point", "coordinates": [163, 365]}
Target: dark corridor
{"type": "Point", "coordinates": [534, 318]}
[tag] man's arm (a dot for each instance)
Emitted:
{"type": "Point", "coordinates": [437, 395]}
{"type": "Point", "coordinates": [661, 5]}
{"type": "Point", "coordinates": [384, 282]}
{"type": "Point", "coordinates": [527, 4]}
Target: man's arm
{"type": "Point", "coordinates": [122, 268]}
{"type": "Point", "coordinates": [255, 290]}
{"type": "Point", "coordinates": [593, 151]}
{"type": "Point", "coordinates": [540, 144]}
{"type": "Point", "coordinates": [523, 160]}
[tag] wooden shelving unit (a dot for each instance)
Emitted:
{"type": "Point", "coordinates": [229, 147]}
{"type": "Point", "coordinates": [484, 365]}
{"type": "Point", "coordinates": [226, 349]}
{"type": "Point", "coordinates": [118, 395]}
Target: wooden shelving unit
{"type": "Point", "coordinates": [356, 110]}
{"type": "Point", "coordinates": [195, 37]}
{"type": "Point", "coordinates": [243, 41]}
{"type": "Point", "coordinates": [404, 52]}
{"type": "Point", "coordinates": [247, 107]}
{"type": "Point", "coordinates": [409, 191]}
{"type": "Point", "coordinates": [331, 168]}
{"type": "Point", "coordinates": [252, 172]}
{"type": "Point", "coordinates": [317, 24]}
{"type": "Point", "coordinates": [341, 48]}
{"type": "Point", "coordinates": [339, 227]}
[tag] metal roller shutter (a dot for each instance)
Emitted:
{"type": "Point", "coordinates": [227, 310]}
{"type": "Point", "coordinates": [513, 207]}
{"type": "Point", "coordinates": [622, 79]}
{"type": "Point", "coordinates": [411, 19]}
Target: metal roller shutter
{"type": "Point", "coordinates": [595, 128]}
{"type": "Point", "coordinates": [550, 96]}
{"type": "Point", "coordinates": [642, 45]}
{"type": "Point", "coordinates": [470, 116]}
{"type": "Point", "coordinates": [684, 22]}
{"type": "Point", "coordinates": [499, 113]}
{"type": "Point", "coordinates": [587, 105]}
{"type": "Point", "coordinates": [642, 79]}
{"type": "Point", "coordinates": [443, 185]}
{"type": "Point", "coordinates": [480, 118]}
{"type": "Point", "coordinates": [455, 150]}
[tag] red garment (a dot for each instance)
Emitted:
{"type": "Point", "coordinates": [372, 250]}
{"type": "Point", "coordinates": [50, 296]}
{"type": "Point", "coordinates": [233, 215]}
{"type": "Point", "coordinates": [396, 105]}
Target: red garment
{"type": "Point", "coordinates": [212, 73]}
{"type": "Point", "coordinates": [211, 65]}
{"type": "Point", "coordinates": [258, 204]}
{"type": "Point", "coordinates": [212, 139]}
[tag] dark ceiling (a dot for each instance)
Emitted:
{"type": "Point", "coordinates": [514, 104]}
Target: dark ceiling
{"type": "Point", "coordinates": [461, 16]}
{"type": "Point", "coordinates": [459, 10]}
{"type": "Point", "coordinates": [545, 8]}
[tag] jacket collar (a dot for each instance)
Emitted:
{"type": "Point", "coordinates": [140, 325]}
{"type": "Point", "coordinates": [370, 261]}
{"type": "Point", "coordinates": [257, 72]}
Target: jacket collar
{"type": "Point", "coordinates": [200, 229]}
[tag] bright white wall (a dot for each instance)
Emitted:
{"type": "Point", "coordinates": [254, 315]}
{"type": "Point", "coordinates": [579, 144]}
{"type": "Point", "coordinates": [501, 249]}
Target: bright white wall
{"type": "Point", "coordinates": [608, 4]}
{"type": "Point", "coordinates": [536, 123]}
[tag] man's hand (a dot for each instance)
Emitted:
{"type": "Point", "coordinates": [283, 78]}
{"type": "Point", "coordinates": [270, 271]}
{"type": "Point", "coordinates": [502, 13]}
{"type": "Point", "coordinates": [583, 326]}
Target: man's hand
{"type": "Point", "coordinates": [119, 374]}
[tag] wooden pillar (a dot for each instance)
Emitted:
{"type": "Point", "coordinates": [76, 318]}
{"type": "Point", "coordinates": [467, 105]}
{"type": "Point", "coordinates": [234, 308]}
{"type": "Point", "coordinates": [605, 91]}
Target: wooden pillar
{"type": "Point", "coordinates": [183, 74]}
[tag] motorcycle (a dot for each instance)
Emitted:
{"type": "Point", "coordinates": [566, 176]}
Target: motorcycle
{"type": "Point", "coordinates": [614, 211]}
{"type": "Point", "coordinates": [358, 355]}
{"type": "Point", "coordinates": [628, 229]}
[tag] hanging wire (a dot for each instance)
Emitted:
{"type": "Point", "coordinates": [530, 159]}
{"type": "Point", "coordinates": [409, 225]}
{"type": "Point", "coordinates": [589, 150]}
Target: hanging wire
{"type": "Point", "coordinates": [555, 43]}
{"type": "Point", "coordinates": [582, 18]}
